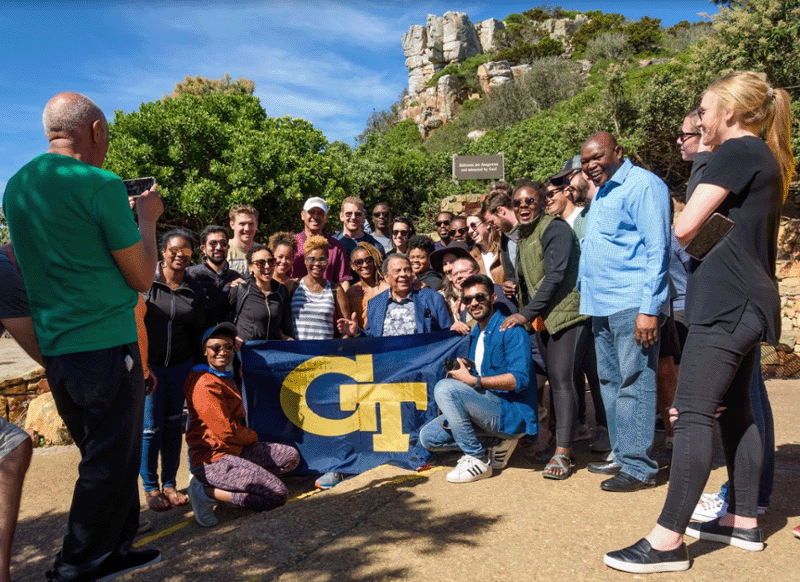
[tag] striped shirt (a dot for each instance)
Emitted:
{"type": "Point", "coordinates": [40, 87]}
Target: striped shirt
{"type": "Point", "coordinates": [312, 313]}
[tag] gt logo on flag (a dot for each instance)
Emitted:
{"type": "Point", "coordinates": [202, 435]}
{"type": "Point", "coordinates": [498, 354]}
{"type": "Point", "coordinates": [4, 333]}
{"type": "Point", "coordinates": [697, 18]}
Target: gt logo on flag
{"type": "Point", "coordinates": [363, 397]}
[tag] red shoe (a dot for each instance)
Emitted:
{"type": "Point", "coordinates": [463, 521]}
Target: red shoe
{"type": "Point", "coordinates": [796, 531]}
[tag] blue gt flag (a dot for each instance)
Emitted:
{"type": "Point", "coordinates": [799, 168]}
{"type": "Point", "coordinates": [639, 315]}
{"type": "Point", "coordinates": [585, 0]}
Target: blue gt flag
{"type": "Point", "coordinates": [347, 405]}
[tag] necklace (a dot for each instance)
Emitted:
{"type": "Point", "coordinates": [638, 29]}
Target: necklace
{"type": "Point", "coordinates": [312, 285]}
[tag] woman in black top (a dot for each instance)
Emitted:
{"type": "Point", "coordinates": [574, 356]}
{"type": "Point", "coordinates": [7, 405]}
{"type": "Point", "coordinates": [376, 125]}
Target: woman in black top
{"type": "Point", "coordinates": [732, 304]}
{"type": "Point", "coordinates": [175, 321]}
{"type": "Point", "coordinates": [261, 306]}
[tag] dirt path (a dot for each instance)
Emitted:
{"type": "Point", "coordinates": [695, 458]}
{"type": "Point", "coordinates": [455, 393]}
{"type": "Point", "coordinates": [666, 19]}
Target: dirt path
{"type": "Point", "coordinates": [391, 524]}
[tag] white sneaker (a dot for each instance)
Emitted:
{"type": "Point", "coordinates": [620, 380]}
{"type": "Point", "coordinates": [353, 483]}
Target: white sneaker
{"type": "Point", "coordinates": [711, 506]}
{"type": "Point", "coordinates": [469, 469]}
{"type": "Point", "coordinates": [202, 505]}
{"type": "Point", "coordinates": [500, 454]}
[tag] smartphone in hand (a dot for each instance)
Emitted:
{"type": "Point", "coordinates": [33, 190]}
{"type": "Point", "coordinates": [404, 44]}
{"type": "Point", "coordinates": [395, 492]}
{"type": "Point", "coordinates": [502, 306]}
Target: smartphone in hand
{"type": "Point", "coordinates": [138, 186]}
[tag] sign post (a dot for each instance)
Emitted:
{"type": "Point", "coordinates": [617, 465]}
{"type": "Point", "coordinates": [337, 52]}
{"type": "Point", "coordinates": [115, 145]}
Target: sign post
{"type": "Point", "coordinates": [479, 167]}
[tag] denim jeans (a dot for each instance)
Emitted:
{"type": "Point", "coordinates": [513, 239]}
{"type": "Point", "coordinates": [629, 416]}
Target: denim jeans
{"type": "Point", "coordinates": [471, 419]}
{"type": "Point", "coordinates": [162, 426]}
{"type": "Point", "coordinates": [762, 414]}
{"type": "Point", "coordinates": [627, 374]}
{"type": "Point", "coordinates": [100, 396]}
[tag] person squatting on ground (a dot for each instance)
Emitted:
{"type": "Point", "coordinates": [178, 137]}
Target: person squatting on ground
{"type": "Point", "coordinates": [226, 460]}
{"type": "Point", "coordinates": [492, 401]}
{"type": "Point", "coordinates": [624, 287]}
{"type": "Point", "coordinates": [84, 259]}
{"type": "Point", "coordinates": [732, 304]}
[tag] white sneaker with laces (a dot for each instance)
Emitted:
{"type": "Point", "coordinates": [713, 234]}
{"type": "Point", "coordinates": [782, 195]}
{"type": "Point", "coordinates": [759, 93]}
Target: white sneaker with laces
{"type": "Point", "coordinates": [469, 469]}
{"type": "Point", "coordinates": [711, 506]}
{"type": "Point", "coordinates": [500, 454]}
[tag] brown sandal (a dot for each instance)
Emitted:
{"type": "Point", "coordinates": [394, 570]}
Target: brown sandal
{"type": "Point", "coordinates": [175, 497]}
{"type": "Point", "coordinates": [156, 500]}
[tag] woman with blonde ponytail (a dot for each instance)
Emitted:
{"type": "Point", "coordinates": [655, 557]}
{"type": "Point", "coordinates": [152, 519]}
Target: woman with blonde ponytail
{"type": "Point", "coordinates": [732, 305]}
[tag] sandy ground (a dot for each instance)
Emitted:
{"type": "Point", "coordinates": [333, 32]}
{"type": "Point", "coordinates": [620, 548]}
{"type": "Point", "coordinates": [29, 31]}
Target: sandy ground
{"type": "Point", "coordinates": [391, 524]}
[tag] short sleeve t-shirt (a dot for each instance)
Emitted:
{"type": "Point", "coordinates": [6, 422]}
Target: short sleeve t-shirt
{"type": "Point", "coordinates": [741, 267]}
{"type": "Point", "coordinates": [65, 218]}
{"type": "Point", "coordinates": [13, 302]}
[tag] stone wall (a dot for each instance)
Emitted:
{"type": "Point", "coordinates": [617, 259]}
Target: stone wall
{"type": "Point", "coordinates": [16, 393]}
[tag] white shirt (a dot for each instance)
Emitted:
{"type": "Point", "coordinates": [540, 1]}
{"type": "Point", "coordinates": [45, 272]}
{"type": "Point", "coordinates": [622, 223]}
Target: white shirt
{"type": "Point", "coordinates": [571, 218]}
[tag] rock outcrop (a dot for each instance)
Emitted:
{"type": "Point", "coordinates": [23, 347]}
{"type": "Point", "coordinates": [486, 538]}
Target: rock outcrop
{"type": "Point", "coordinates": [453, 38]}
{"type": "Point", "coordinates": [44, 418]}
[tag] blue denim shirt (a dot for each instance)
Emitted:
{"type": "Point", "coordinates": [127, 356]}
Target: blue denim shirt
{"type": "Point", "coordinates": [509, 352]}
{"type": "Point", "coordinates": [625, 250]}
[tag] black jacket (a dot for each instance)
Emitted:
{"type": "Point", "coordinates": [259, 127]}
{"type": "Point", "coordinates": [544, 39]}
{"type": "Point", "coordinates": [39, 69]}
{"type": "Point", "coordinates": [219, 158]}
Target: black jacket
{"type": "Point", "coordinates": [217, 287]}
{"type": "Point", "coordinates": [257, 317]}
{"type": "Point", "coordinates": [175, 321]}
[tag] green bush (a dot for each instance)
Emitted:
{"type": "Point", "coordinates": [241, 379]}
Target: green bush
{"type": "Point", "coordinates": [597, 25]}
{"type": "Point", "coordinates": [608, 45]}
{"type": "Point", "coordinates": [644, 35]}
{"type": "Point", "coordinates": [467, 71]}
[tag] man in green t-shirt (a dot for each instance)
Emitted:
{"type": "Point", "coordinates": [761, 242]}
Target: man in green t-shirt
{"type": "Point", "coordinates": [83, 260]}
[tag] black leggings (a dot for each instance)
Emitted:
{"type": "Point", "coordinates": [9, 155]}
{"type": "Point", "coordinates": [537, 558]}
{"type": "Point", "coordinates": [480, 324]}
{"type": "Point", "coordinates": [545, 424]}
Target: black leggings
{"type": "Point", "coordinates": [585, 372]}
{"type": "Point", "coordinates": [564, 351]}
{"type": "Point", "coordinates": [716, 370]}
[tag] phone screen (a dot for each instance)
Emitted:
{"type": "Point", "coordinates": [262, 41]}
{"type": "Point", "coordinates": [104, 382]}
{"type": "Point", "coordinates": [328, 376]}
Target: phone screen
{"type": "Point", "coordinates": [137, 186]}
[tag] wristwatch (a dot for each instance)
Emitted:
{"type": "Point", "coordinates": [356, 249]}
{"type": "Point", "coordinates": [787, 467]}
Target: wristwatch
{"type": "Point", "coordinates": [477, 382]}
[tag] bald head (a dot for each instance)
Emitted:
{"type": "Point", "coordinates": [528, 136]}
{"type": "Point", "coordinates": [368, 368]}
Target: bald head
{"type": "Point", "coordinates": [601, 157]}
{"type": "Point", "coordinates": [67, 114]}
{"type": "Point", "coordinates": [76, 127]}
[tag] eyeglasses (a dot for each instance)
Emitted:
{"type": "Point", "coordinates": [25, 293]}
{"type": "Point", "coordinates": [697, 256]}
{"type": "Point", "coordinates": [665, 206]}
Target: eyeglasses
{"type": "Point", "coordinates": [221, 348]}
{"type": "Point", "coordinates": [175, 251]}
{"type": "Point", "coordinates": [685, 135]}
{"type": "Point", "coordinates": [352, 214]}
{"type": "Point", "coordinates": [400, 232]}
{"type": "Point", "coordinates": [479, 297]}
{"type": "Point", "coordinates": [315, 260]}
{"type": "Point", "coordinates": [462, 230]}
{"type": "Point", "coordinates": [442, 223]}
{"type": "Point", "coordinates": [517, 202]}
{"type": "Point", "coordinates": [262, 264]}
{"type": "Point", "coordinates": [381, 214]}
{"type": "Point", "coordinates": [217, 243]}
{"type": "Point", "coordinates": [365, 260]}
{"type": "Point", "coordinates": [474, 225]}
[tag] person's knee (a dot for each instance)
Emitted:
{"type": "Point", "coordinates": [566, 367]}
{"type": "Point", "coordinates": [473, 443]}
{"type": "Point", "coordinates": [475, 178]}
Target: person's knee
{"type": "Point", "coordinates": [447, 390]}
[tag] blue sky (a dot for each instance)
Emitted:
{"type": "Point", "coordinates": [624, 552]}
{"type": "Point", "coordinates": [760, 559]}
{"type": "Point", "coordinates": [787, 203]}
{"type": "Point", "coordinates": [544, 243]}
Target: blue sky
{"type": "Point", "coordinates": [331, 63]}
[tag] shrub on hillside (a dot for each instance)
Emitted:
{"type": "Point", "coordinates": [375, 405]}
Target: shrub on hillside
{"type": "Point", "coordinates": [547, 82]}
{"type": "Point", "coordinates": [681, 36]}
{"type": "Point", "coordinates": [609, 45]}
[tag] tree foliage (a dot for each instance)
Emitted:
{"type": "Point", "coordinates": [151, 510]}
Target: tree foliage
{"type": "Point", "coordinates": [644, 35]}
{"type": "Point", "coordinates": [202, 86]}
{"type": "Point", "coordinates": [210, 153]}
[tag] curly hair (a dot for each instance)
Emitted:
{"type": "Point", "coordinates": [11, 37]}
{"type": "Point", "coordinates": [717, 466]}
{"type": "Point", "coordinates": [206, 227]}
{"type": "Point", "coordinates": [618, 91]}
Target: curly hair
{"type": "Point", "coordinates": [374, 253]}
{"type": "Point", "coordinates": [316, 242]}
{"type": "Point", "coordinates": [282, 238]}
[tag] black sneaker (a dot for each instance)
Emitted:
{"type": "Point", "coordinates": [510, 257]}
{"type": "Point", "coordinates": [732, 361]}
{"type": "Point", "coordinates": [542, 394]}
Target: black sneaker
{"type": "Point", "coordinates": [712, 531]}
{"type": "Point", "coordinates": [133, 560]}
{"type": "Point", "coordinates": [641, 558]}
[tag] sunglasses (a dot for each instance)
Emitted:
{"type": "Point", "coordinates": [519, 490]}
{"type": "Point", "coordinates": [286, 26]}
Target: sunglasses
{"type": "Point", "coordinates": [479, 297]}
{"type": "Point", "coordinates": [221, 348]}
{"type": "Point", "coordinates": [685, 135]}
{"type": "Point", "coordinates": [364, 261]}
{"type": "Point", "coordinates": [475, 225]}
{"type": "Point", "coordinates": [400, 233]}
{"type": "Point", "coordinates": [380, 214]}
{"type": "Point", "coordinates": [517, 202]}
{"type": "Point", "coordinates": [217, 243]}
{"type": "Point", "coordinates": [553, 192]}
{"type": "Point", "coordinates": [315, 260]}
{"type": "Point", "coordinates": [442, 223]}
{"type": "Point", "coordinates": [352, 214]}
{"type": "Point", "coordinates": [462, 230]}
{"type": "Point", "coordinates": [262, 264]}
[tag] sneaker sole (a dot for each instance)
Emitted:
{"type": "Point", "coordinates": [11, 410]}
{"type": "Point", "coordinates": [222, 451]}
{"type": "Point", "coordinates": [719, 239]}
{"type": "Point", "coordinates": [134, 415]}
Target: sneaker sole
{"type": "Point", "coordinates": [723, 539]}
{"type": "Point", "coordinates": [131, 569]}
{"type": "Point", "coordinates": [485, 475]}
{"type": "Point", "coordinates": [796, 533]}
{"type": "Point", "coordinates": [704, 517]}
{"type": "Point", "coordinates": [634, 568]}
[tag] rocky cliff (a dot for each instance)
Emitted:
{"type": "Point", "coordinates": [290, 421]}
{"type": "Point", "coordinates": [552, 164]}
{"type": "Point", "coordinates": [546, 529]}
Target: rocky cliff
{"type": "Point", "coordinates": [453, 38]}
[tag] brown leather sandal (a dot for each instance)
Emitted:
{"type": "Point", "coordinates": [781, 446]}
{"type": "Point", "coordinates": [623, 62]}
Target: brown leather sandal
{"type": "Point", "coordinates": [156, 500]}
{"type": "Point", "coordinates": [175, 497]}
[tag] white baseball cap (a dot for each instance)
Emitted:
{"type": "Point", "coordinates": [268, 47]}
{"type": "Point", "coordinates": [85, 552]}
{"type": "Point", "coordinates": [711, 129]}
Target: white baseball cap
{"type": "Point", "coordinates": [316, 202]}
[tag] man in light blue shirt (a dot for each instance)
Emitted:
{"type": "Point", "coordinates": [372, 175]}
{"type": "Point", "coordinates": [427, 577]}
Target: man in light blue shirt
{"type": "Point", "coordinates": [624, 287]}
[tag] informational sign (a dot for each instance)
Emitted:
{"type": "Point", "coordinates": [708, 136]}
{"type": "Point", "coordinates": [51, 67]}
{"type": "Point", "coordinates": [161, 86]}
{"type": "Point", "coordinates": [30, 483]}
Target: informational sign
{"type": "Point", "coordinates": [479, 167]}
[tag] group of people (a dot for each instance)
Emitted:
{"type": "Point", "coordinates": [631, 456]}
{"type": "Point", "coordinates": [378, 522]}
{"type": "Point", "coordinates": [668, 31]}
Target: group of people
{"type": "Point", "coordinates": [580, 278]}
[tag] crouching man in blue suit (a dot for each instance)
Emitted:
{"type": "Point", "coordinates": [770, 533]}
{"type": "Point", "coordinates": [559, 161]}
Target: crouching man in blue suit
{"type": "Point", "coordinates": [491, 401]}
